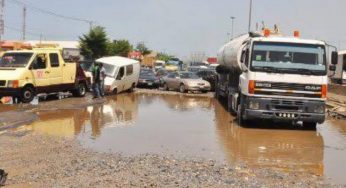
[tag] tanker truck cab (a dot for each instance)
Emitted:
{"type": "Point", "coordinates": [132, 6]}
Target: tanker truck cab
{"type": "Point", "coordinates": [25, 73]}
{"type": "Point", "coordinates": [279, 78]}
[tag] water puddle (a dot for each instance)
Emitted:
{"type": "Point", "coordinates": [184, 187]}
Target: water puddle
{"type": "Point", "coordinates": [197, 127]}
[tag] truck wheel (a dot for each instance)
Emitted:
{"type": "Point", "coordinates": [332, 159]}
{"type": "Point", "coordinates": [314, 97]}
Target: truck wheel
{"type": "Point", "coordinates": [230, 105]}
{"type": "Point", "coordinates": [115, 91]}
{"type": "Point", "coordinates": [240, 111]}
{"type": "Point", "coordinates": [80, 90]}
{"type": "Point", "coordinates": [310, 125]}
{"type": "Point", "coordinates": [27, 94]}
{"type": "Point", "coordinates": [182, 88]}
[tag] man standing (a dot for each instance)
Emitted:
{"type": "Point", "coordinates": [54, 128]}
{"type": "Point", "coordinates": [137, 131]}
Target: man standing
{"type": "Point", "coordinates": [102, 79]}
{"type": "Point", "coordinates": [96, 73]}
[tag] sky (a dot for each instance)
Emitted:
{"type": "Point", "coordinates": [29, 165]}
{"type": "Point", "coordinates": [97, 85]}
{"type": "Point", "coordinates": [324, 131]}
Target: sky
{"type": "Point", "coordinates": [177, 27]}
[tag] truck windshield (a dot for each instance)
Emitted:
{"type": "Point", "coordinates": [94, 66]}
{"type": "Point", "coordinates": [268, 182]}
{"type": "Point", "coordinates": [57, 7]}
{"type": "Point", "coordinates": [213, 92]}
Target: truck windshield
{"type": "Point", "coordinates": [15, 59]}
{"type": "Point", "coordinates": [289, 58]}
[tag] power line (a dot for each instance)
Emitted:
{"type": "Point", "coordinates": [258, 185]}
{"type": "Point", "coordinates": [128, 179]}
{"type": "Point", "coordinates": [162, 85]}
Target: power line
{"type": "Point", "coordinates": [37, 9]}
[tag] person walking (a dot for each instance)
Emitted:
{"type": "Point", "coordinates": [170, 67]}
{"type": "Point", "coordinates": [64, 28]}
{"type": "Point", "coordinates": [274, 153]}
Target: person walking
{"type": "Point", "coordinates": [102, 79]}
{"type": "Point", "coordinates": [96, 73]}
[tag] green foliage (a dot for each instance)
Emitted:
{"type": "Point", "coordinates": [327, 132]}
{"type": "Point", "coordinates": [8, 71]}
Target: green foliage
{"type": "Point", "coordinates": [119, 48]}
{"type": "Point", "coordinates": [143, 49]}
{"type": "Point", "coordinates": [94, 44]}
{"type": "Point", "coordinates": [164, 57]}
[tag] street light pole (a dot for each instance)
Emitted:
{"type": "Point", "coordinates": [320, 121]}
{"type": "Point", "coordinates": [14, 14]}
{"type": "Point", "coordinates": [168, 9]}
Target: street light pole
{"type": "Point", "coordinates": [250, 12]}
{"type": "Point", "coordinates": [232, 17]}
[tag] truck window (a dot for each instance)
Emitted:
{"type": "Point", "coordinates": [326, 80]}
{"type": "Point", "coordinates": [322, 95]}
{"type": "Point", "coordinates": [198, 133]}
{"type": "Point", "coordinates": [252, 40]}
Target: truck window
{"type": "Point", "coordinates": [40, 62]}
{"type": "Point", "coordinates": [54, 60]}
{"type": "Point", "coordinates": [129, 70]}
{"type": "Point", "coordinates": [121, 73]}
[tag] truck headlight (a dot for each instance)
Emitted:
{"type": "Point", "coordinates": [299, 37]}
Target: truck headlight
{"type": "Point", "coordinates": [319, 109]}
{"type": "Point", "coordinates": [13, 83]}
{"type": "Point", "coordinates": [254, 105]}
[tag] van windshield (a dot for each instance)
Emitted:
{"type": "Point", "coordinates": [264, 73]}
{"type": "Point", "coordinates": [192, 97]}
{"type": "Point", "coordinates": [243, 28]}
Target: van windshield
{"type": "Point", "coordinates": [15, 59]}
{"type": "Point", "coordinates": [109, 69]}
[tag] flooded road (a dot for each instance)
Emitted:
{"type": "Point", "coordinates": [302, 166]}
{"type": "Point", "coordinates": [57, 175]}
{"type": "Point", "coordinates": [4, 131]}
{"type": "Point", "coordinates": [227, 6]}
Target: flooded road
{"type": "Point", "coordinates": [198, 127]}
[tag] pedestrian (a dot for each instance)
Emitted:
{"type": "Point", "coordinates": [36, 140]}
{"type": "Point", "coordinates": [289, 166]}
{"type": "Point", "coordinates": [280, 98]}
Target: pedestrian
{"type": "Point", "coordinates": [102, 79]}
{"type": "Point", "coordinates": [96, 80]}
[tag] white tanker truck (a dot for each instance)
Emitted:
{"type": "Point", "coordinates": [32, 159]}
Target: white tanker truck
{"type": "Point", "coordinates": [267, 76]}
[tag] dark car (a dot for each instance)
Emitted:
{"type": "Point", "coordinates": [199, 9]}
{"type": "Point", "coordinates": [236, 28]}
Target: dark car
{"type": "Point", "coordinates": [148, 79]}
{"type": "Point", "coordinates": [209, 76]}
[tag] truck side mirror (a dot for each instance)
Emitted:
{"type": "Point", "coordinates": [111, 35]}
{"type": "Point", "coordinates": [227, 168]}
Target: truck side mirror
{"type": "Point", "coordinates": [242, 57]}
{"type": "Point", "coordinates": [334, 58]}
{"type": "Point", "coordinates": [332, 68]}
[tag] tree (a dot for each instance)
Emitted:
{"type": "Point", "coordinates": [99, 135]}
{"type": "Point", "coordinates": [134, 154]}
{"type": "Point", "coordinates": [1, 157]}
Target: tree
{"type": "Point", "coordinates": [119, 48]}
{"type": "Point", "coordinates": [164, 57]}
{"type": "Point", "coordinates": [143, 49]}
{"type": "Point", "coordinates": [94, 44]}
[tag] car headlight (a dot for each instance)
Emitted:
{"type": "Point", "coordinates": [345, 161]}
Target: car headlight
{"type": "Point", "coordinates": [254, 105]}
{"type": "Point", "coordinates": [319, 109]}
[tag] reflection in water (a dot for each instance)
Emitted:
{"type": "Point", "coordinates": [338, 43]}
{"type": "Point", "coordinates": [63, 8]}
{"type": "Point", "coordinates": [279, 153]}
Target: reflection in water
{"type": "Point", "coordinates": [199, 127]}
{"type": "Point", "coordinates": [117, 111]}
{"type": "Point", "coordinates": [295, 150]}
{"type": "Point", "coordinates": [185, 103]}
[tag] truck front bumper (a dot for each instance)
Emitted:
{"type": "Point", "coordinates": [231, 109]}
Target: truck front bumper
{"type": "Point", "coordinates": [13, 92]}
{"type": "Point", "coordinates": [284, 109]}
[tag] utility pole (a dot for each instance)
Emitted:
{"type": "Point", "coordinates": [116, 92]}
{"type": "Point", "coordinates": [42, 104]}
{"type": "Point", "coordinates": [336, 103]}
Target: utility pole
{"type": "Point", "coordinates": [232, 17]}
{"type": "Point", "coordinates": [2, 22]}
{"type": "Point", "coordinates": [250, 14]}
{"type": "Point", "coordinates": [90, 25]}
{"type": "Point", "coordinates": [24, 23]}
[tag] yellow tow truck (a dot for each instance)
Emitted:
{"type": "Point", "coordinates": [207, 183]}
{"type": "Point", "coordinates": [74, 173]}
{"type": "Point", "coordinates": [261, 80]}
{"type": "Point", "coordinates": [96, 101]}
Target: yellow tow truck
{"type": "Point", "coordinates": [25, 73]}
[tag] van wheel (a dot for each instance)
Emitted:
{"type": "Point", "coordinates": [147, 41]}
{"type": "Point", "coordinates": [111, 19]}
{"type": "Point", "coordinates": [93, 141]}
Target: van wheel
{"type": "Point", "coordinates": [80, 91]}
{"type": "Point", "coordinates": [165, 87]}
{"type": "Point", "coordinates": [115, 91]}
{"type": "Point", "coordinates": [182, 88]}
{"type": "Point", "coordinates": [132, 88]}
{"type": "Point", "coordinates": [27, 94]}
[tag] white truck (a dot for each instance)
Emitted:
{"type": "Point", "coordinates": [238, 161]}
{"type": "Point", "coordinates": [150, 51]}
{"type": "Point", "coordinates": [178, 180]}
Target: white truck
{"type": "Point", "coordinates": [339, 77]}
{"type": "Point", "coordinates": [267, 76]}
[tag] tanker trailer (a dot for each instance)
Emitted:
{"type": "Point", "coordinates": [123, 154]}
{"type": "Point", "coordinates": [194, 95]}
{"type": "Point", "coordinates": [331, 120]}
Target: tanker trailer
{"type": "Point", "coordinates": [268, 76]}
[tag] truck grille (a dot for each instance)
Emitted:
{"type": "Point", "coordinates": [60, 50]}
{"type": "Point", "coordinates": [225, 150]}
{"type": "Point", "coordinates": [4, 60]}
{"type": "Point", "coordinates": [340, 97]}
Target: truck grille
{"type": "Point", "coordinates": [2, 82]}
{"type": "Point", "coordinates": [288, 94]}
{"type": "Point", "coordinates": [288, 86]}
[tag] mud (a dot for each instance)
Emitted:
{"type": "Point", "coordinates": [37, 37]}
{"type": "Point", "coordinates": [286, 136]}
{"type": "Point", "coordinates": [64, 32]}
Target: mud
{"type": "Point", "coordinates": [187, 127]}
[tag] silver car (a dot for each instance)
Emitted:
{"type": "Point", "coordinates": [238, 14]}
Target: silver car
{"type": "Point", "coordinates": [185, 81]}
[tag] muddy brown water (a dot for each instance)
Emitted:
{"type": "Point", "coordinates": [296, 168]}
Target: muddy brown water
{"type": "Point", "coordinates": [198, 127]}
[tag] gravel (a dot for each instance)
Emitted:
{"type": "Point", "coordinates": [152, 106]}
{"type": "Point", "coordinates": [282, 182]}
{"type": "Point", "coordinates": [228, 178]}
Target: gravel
{"type": "Point", "coordinates": [43, 161]}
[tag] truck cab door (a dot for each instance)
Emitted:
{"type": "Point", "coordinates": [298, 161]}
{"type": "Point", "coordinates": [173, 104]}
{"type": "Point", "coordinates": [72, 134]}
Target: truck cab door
{"type": "Point", "coordinates": [40, 73]}
{"type": "Point", "coordinates": [55, 72]}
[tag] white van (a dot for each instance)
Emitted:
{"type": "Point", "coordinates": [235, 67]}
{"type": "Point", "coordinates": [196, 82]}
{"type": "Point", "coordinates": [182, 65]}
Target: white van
{"type": "Point", "coordinates": [122, 73]}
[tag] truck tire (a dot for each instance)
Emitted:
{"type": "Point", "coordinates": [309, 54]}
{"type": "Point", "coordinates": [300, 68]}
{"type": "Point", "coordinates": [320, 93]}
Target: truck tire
{"type": "Point", "coordinates": [230, 106]}
{"type": "Point", "coordinates": [240, 111]}
{"type": "Point", "coordinates": [27, 94]}
{"type": "Point", "coordinates": [310, 125]}
{"type": "Point", "coordinates": [80, 91]}
{"type": "Point", "coordinates": [182, 88]}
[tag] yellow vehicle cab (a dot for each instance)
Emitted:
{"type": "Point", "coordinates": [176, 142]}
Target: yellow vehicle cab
{"type": "Point", "coordinates": [25, 73]}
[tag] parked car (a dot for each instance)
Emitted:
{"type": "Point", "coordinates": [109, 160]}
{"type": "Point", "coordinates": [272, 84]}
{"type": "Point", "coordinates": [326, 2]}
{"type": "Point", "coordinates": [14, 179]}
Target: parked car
{"type": "Point", "coordinates": [160, 74]}
{"type": "Point", "coordinates": [26, 73]}
{"type": "Point", "coordinates": [147, 78]}
{"type": "Point", "coordinates": [121, 74]}
{"type": "Point", "coordinates": [185, 81]}
{"type": "Point", "coordinates": [209, 76]}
